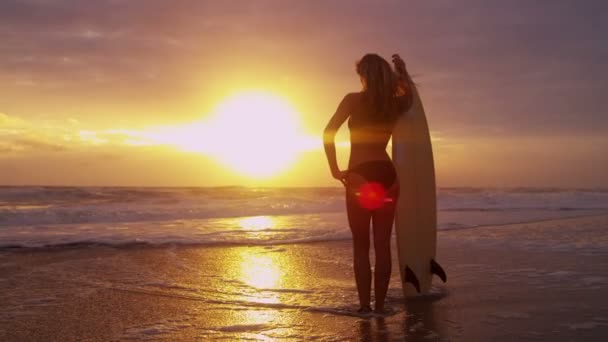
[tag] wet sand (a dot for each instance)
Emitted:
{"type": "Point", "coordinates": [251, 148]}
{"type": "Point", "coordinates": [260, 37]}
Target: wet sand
{"type": "Point", "coordinates": [545, 281]}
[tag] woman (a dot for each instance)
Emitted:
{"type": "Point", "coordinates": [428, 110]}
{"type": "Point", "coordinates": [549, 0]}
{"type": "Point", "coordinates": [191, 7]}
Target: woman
{"type": "Point", "coordinates": [371, 182]}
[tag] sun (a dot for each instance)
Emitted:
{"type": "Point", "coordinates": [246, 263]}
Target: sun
{"type": "Point", "coordinates": [255, 133]}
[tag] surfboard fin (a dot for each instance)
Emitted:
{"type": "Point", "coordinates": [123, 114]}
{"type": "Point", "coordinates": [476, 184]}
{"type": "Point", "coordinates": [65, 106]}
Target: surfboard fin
{"type": "Point", "coordinates": [438, 270]}
{"type": "Point", "coordinates": [410, 277]}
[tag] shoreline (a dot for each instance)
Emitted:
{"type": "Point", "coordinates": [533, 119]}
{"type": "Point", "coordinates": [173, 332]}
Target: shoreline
{"type": "Point", "coordinates": [532, 281]}
{"type": "Point", "coordinates": [144, 244]}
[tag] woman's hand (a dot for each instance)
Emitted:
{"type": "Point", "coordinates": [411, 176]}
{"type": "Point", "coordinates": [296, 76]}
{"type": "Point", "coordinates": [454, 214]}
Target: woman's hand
{"type": "Point", "coordinates": [393, 191]}
{"type": "Point", "coordinates": [399, 65]}
{"type": "Point", "coordinates": [403, 87]}
{"type": "Point", "coordinates": [340, 175]}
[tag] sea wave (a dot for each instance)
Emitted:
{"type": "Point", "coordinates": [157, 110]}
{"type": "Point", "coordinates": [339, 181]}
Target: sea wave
{"type": "Point", "coordinates": [50, 217]}
{"type": "Point", "coordinates": [238, 231]}
{"type": "Point", "coordinates": [24, 206]}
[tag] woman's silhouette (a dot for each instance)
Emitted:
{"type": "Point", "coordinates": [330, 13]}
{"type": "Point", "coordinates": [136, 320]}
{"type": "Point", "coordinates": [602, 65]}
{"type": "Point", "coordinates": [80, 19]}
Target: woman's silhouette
{"type": "Point", "coordinates": [371, 183]}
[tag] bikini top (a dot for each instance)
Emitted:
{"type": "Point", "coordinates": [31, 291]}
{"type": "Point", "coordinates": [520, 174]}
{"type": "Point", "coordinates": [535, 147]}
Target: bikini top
{"type": "Point", "coordinates": [366, 128]}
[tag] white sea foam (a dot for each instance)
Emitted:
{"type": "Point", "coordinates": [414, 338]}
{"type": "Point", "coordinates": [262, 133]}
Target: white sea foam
{"type": "Point", "coordinates": [73, 216]}
{"type": "Point", "coordinates": [245, 327]}
{"type": "Point", "coordinates": [159, 330]}
{"type": "Point", "coordinates": [510, 315]}
{"type": "Point", "coordinates": [585, 325]}
{"type": "Point", "coordinates": [594, 281]}
{"type": "Point", "coordinates": [561, 274]}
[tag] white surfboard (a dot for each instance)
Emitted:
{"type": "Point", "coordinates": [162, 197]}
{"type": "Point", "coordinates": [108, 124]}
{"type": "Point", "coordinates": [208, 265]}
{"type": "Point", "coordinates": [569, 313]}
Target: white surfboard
{"type": "Point", "coordinates": [416, 214]}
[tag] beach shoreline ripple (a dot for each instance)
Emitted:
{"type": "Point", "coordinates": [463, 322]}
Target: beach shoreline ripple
{"type": "Point", "coordinates": [531, 281]}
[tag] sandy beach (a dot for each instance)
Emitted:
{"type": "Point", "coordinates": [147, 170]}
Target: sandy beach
{"type": "Point", "coordinates": [195, 170]}
{"type": "Point", "coordinates": [543, 281]}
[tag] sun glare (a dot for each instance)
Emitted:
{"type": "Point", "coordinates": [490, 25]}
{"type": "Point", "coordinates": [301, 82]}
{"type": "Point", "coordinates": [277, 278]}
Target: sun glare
{"type": "Point", "coordinates": [255, 133]}
{"type": "Point", "coordinates": [260, 271]}
{"type": "Point", "coordinates": [256, 223]}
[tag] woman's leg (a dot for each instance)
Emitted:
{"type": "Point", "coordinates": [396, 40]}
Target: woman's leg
{"type": "Point", "coordinates": [383, 224]}
{"type": "Point", "coordinates": [359, 221]}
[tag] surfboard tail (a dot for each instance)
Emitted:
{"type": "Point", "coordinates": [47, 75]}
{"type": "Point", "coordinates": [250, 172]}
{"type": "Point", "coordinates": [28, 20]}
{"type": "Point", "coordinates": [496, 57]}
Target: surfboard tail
{"type": "Point", "coordinates": [438, 270]}
{"type": "Point", "coordinates": [410, 277]}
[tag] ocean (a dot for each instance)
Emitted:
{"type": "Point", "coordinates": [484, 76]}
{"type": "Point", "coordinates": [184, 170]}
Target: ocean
{"type": "Point", "coordinates": [52, 217]}
{"type": "Point", "coordinates": [266, 264]}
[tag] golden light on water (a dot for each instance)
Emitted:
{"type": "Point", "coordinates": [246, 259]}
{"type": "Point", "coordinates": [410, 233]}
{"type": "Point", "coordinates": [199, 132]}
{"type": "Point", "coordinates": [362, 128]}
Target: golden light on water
{"type": "Point", "coordinates": [265, 279]}
{"type": "Point", "coordinates": [256, 223]}
{"type": "Point", "coordinates": [260, 271]}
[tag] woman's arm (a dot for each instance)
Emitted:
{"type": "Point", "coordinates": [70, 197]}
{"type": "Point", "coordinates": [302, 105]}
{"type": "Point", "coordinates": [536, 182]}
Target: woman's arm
{"type": "Point", "coordinates": [329, 134]}
{"type": "Point", "coordinates": [405, 96]}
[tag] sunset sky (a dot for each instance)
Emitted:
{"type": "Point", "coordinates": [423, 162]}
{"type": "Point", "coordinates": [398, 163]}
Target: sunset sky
{"type": "Point", "coordinates": [150, 92]}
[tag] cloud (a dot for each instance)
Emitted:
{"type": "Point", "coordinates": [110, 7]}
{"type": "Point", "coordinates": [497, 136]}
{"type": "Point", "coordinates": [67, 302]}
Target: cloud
{"type": "Point", "coordinates": [21, 136]}
{"type": "Point", "coordinates": [37, 144]}
{"type": "Point", "coordinates": [9, 121]}
{"type": "Point", "coordinates": [18, 135]}
{"type": "Point", "coordinates": [26, 137]}
{"type": "Point", "coordinates": [516, 67]}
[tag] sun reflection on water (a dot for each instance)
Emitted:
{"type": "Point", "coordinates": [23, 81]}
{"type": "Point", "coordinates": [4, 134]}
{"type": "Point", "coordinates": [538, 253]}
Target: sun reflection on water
{"type": "Point", "coordinates": [256, 223]}
{"type": "Point", "coordinates": [264, 280]}
{"type": "Point", "coordinates": [263, 271]}
{"type": "Point", "coordinates": [260, 271]}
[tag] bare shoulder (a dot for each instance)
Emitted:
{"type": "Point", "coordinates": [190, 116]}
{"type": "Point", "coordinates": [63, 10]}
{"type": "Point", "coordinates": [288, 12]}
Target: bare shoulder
{"type": "Point", "coordinates": [353, 96]}
{"type": "Point", "coordinates": [348, 101]}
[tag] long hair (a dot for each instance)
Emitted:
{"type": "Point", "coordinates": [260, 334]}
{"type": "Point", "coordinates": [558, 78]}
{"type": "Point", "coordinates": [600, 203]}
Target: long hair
{"type": "Point", "coordinates": [381, 86]}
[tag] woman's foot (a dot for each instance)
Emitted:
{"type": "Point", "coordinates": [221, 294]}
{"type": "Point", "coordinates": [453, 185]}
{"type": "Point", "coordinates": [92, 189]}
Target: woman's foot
{"type": "Point", "coordinates": [382, 311]}
{"type": "Point", "coordinates": [365, 310]}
